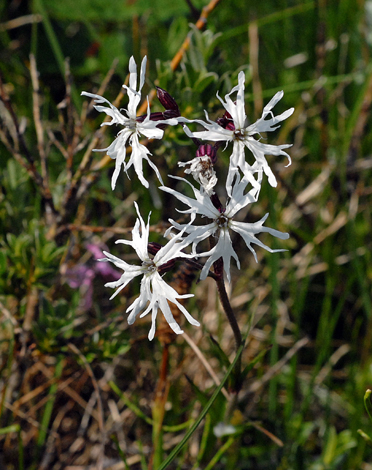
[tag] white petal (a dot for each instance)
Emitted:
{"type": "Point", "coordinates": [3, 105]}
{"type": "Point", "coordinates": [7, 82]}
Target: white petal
{"type": "Point", "coordinates": [248, 232]}
{"type": "Point", "coordinates": [139, 153]}
{"type": "Point", "coordinates": [139, 304]}
{"type": "Point", "coordinates": [224, 250]}
{"type": "Point", "coordinates": [238, 199]}
{"type": "Point", "coordinates": [143, 73]}
{"type": "Point", "coordinates": [141, 238]}
{"type": "Point", "coordinates": [112, 111]}
{"type": "Point", "coordinates": [201, 204]}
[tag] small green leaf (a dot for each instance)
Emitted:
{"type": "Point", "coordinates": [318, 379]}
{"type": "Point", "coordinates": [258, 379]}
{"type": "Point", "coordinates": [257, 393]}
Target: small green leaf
{"type": "Point", "coordinates": [250, 366]}
{"type": "Point", "coordinates": [367, 403]}
{"type": "Point", "coordinates": [218, 351]}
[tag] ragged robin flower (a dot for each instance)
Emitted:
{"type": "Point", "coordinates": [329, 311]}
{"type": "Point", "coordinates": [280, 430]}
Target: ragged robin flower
{"type": "Point", "coordinates": [133, 128]}
{"type": "Point", "coordinates": [201, 168]}
{"type": "Point", "coordinates": [155, 293]}
{"type": "Point", "coordinates": [234, 127]}
{"type": "Point", "coordinates": [221, 221]}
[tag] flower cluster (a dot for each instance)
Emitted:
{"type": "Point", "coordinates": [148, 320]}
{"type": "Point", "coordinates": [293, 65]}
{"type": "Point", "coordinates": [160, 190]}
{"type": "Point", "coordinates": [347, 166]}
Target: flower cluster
{"type": "Point", "coordinates": [243, 183]}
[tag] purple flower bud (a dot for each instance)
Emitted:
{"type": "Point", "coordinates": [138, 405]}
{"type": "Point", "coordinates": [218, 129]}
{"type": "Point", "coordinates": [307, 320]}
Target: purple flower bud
{"type": "Point", "coordinates": [166, 266]}
{"type": "Point", "coordinates": [167, 100]}
{"type": "Point", "coordinates": [153, 248]}
{"type": "Point", "coordinates": [171, 113]}
{"type": "Point", "coordinates": [215, 200]}
{"type": "Point", "coordinates": [226, 121]}
{"type": "Point", "coordinates": [209, 150]}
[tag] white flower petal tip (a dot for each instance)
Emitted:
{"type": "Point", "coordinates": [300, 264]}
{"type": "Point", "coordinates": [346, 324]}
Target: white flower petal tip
{"type": "Point", "coordinates": [222, 429]}
{"type": "Point", "coordinates": [155, 293]}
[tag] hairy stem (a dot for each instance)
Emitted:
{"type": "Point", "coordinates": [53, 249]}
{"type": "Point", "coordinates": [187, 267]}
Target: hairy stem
{"type": "Point", "coordinates": [218, 270]}
{"type": "Point", "coordinates": [229, 311]}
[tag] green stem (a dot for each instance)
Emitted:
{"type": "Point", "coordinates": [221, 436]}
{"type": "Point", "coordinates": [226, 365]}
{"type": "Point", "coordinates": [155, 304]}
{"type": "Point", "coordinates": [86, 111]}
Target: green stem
{"type": "Point", "coordinates": [191, 431]}
{"type": "Point", "coordinates": [158, 411]}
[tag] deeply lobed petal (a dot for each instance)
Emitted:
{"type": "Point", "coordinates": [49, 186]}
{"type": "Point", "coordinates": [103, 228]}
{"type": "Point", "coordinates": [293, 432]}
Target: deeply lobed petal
{"type": "Point", "coordinates": [223, 249]}
{"type": "Point", "coordinates": [201, 204]}
{"type": "Point", "coordinates": [140, 236]}
{"type": "Point", "coordinates": [112, 111]}
{"type": "Point", "coordinates": [248, 232]}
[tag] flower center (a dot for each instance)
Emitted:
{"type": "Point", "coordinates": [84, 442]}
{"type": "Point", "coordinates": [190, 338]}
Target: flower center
{"type": "Point", "coordinates": [239, 134]}
{"type": "Point", "coordinates": [132, 124]}
{"type": "Point", "coordinates": [222, 221]}
{"type": "Point", "coordinates": [150, 266]}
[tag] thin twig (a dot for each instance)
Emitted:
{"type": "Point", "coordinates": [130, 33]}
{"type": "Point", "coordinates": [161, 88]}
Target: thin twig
{"type": "Point", "coordinates": [50, 210]}
{"type": "Point", "coordinates": [205, 363]}
{"type": "Point", "coordinates": [254, 63]}
{"type": "Point", "coordinates": [255, 386]}
{"type": "Point", "coordinates": [37, 119]}
{"type": "Point", "coordinates": [200, 24]}
{"type": "Point", "coordinates": [20, 21]}
{"type": "Point", "coordinates": [75, 350]}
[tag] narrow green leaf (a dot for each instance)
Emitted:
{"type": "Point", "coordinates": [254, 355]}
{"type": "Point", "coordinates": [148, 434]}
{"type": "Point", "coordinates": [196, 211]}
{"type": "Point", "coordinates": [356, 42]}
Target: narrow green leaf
{"type": "Point", "coordinates": [219, 352]}
{"type": "Point", "coordinates": [220, 453]}
{"type": "Point", "coordinates": [129, 404]}
{"type": "Point", "coordinates": [191, 431]}
{"type": "Point", "coordinates": [367, 403]}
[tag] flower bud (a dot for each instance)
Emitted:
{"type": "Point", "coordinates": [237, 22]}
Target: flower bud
{"type": "Point", "coordinates": [215, 200]}
{"type": "Point", "coordinates": [209, 150]}
{"type": "Point", "coordinates": [166, 267]}
{"type": "Point", "coordinates": [153, 248]}
{"type": "Point", "coordinates": [167, 100]}
{"type": "Point", "coordinates": [226, 121]}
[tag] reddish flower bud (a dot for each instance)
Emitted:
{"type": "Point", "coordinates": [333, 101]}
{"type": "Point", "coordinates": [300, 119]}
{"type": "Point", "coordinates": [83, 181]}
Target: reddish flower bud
{"type": "Point", "coordinates": [209, 150]}
{"type": "Point", "coordinates": [215, 200]}
{"type": "Point", "coordinates": [166, 266]}
{"type": "Point", "coordinates": [171, 113]}
{"type": "Point", "coordinates": [153, 248]}
{"type": "Point", "coordinates": [167, 100]}
{"type": "Point", "coordinates": [226, 121]}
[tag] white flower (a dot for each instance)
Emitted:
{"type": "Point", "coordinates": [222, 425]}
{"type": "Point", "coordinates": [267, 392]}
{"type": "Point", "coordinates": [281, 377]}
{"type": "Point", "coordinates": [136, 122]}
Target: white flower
{"type": "Point", "coordinates": [222, 222]}
{"type": "Point", "coordinates": [222, 429]}
{"type": "Point", "coordinates": [203, 172]}
{"type": "Point", "coordinates": [153, 288]}
{"type": "Point", "coordinates": [242, 134]}
{"type": "Point", "coordinates": [133, 129]}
